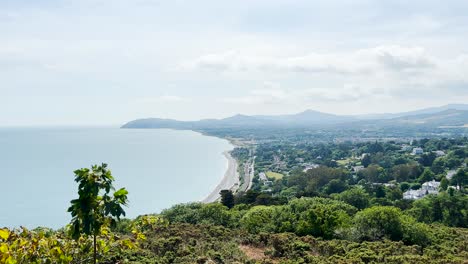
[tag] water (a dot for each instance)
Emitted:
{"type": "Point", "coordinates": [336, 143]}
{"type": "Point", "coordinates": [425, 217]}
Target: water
{"type": "Point", "coordinates": [159, 168]}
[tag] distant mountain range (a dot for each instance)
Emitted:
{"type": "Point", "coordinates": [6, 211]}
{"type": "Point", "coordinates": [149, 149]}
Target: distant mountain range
{"type": "Point", "coordinates": [453, 115]}
{"type": "Point", "coordinates": [431, 110]}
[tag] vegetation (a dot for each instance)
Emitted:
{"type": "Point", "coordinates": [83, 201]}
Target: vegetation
{"type": "Point", "coordinates": [274, 175]}
{"type": "Point", "coordinates": [335, 203]}
{"type": "Point", "coordinates": [95, 208]}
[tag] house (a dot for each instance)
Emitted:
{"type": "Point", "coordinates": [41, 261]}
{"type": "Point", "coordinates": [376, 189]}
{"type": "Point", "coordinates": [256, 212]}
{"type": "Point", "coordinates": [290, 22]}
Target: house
{"type": "Point", "coordinates": [267, 183]}
{"type": "Point", "coordinates": [439, 153]}
{"type": "Point", "coordinates": [358, 168]}
{"type": "Point", "coordinates": [263, 176]}
{"type": "Point", "coordinates": [431, 187]}
{"type": "Point", "coordinates": [310, 166]}
{"type": "Point", "coordinates": [414, 194]}
{"type": "Point", "coordinates": [417, 151]}
{"type": "Point", "coordinates": [405, 148]}
{"type": "Point", "coordinates": [300, 160]}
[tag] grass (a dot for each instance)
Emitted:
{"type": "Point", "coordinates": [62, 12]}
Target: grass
{"type": "Point", "coordinates": [274, 175]}
{"type": "Point", "coordinates": [343, 162]}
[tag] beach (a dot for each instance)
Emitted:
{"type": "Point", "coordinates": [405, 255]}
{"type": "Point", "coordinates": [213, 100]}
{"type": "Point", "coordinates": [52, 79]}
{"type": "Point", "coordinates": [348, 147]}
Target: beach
{"type": "Point", "coordinates": [230, 181]}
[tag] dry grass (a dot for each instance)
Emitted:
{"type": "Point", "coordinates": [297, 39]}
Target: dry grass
{"type": "Point", "coordinates": [253, 253]}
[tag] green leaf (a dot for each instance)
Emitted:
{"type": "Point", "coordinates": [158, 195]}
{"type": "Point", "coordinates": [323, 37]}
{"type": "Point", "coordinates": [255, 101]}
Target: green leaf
{"type": "Point", "coordinates": [120, 193]}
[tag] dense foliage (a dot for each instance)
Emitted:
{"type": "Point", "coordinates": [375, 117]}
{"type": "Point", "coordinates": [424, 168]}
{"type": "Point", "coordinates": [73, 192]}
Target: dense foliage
{"type": "Point", "coordinates": [338, 202]}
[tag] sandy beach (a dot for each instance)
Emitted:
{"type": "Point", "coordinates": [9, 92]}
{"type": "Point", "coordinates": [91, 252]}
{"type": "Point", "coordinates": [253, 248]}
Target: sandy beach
{"type": "Point", "coordinates": [229, 181]}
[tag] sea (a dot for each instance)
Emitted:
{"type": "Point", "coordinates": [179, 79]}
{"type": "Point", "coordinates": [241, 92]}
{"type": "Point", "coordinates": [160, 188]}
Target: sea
{"type": "Point", "coordinates": [158, 167]}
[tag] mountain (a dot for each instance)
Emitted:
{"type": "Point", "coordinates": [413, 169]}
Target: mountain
{"type": "Point", "coordinates": [448, 115]}
{"type": "Point", "coordinates": [430, 110]}
{"type": "Point", "coordinates": [309, 117]}
{"type": "Point", "coordinates": [306, 118]}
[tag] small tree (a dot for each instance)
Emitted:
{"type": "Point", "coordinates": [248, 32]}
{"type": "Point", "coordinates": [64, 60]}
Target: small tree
{"type": "Point", "coordinates": [95, 207]}
{"type": "Point", "coordinates": [460, 178]}
{"type": "Point", "coordinates": [227, 198]}
{"type": "Point", "coordinates": [366, 160]}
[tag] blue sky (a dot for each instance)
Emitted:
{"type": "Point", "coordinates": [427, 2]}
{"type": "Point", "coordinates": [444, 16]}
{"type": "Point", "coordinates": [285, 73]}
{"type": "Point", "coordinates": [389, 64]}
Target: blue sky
{"type": "Point", "coordinates": [96, 62]}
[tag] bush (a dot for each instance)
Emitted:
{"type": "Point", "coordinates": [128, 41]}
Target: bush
{"type": "Point", "coordinates": [379, 222]}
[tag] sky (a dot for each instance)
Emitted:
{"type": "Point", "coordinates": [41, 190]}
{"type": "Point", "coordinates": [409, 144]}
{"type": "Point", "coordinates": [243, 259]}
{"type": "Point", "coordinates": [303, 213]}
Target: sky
{"type": "Point", "coordinates": [106, 62]}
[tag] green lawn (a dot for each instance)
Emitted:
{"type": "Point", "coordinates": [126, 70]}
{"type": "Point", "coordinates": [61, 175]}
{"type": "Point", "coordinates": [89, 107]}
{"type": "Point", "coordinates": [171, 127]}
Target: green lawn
{"type": "Point", "coordinates": [275, 175]}
{"type": "Point", "coordinates": [343, 162]}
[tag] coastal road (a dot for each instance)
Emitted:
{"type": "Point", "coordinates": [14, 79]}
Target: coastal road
{"type": "Point", "coordinates": [249, 169]}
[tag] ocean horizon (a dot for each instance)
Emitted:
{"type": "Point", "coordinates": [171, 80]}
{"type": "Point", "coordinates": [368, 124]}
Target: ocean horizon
{"type": "Point", "coordinates": [159, 168]}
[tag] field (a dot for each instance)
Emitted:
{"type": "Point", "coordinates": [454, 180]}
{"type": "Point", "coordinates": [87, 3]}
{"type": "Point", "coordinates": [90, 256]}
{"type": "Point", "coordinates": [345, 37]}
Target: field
{"type": "Point", "coordinates": [274, 175]}
{"type": "Point", "coordinates": [343, 162]}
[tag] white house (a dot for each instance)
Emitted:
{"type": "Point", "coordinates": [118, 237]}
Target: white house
{"type": "Point", "coordinates": [262, 176]}
{"type": "Point", "coordinates": [439, 153]}
{"type": "Point", "coordinates": [418, 151]}
{"type": "Point", "coordinates": [310, 166]}
{"type": "Point", "coordinates": [414, 194]}
{"type": "Point", "coordinates": [431, 187]}
{"type": "Point", "coordinates": [358, 168]}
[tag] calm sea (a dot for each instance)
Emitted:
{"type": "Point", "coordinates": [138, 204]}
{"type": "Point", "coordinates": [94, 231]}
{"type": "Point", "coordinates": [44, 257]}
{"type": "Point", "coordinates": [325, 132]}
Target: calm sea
{"type": "Point", "coordinates": [159, 168]}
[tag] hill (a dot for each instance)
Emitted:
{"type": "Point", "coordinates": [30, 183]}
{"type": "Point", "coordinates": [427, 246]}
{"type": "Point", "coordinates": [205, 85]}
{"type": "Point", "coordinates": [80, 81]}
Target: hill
{"type": "Point", "coordinates": [444, 116]}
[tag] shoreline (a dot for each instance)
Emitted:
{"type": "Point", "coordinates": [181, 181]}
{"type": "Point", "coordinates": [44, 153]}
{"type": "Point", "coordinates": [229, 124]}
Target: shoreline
{"type": "Point", "coordinates": [230, 180]}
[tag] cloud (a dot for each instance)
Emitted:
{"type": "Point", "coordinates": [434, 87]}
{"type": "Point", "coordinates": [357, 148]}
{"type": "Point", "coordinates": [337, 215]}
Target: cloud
{"type": "Point", "coordinates": [275, 95]}
{"type": "Point", "coordinates": [363, 61]}
{"type": "Point", "coordinates": [401, 58]}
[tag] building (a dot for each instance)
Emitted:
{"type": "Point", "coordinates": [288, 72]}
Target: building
{"type": "Point", "coordinates": [439, 153]}
{"type": "Point", "coordinates": [418, 151]}
{"type": "Point", "coordinates": [267, 183]}
{"type": "Point", "coordinates": [310, 166]}
{"type": "Point", "coordinates": [431, 187]}
{"type": "Point", "coordinates": [405, 147]}
{"type": "Point", "coordinates": [414, 194]}
{"type": "Point", "coordinates": [263, 176]}
{"type": "Point", "coordinates": [300, 159]}
{"type": "Point", "coordinates": [358, 168]}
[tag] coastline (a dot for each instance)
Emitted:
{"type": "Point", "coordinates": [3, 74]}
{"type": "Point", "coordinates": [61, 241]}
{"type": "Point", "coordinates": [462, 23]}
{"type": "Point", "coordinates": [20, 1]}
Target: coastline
{"type": "Point", "coordinates": [231, 178]}
{"type": "Point", "coordinates": [230, 181]}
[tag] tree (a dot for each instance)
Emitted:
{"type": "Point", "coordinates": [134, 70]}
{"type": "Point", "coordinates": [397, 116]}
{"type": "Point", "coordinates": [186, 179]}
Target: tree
{"type": "Point", "coordinates": [438, 166]}
{"type": "Point", "coordinates": [366, 161]}
{"type": "Point", "coordinates": [460, 178]}
{"type": "Point", "coordinates": [335, 186]}
{"type": "Point", "coordinates": [380, 191]}
{"type": "Point", "coordinates": [444, 183]}
{"type": "Point", "coordinates": [356, 197]}
{"type": "Point", "coordinates": [227, 198]}
{"type": "Point", "coordinates": [379, 222]}
{"type": "Point", "coordinates": [405, 172]}
{"type": "Point", "coordinates": [95, 206]}
{"type": "Point", "coordinates": [426, 176]}
{"type": "Point", "coordinates": [427, 159]}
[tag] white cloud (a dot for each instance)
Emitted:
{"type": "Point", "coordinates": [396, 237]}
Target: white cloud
{"type": "Point", "coordinates": [281, 96]}
{"type": "Point", "coordinates": [362, 61]}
